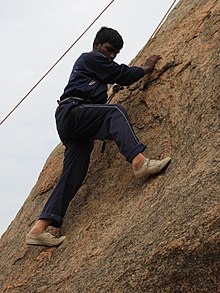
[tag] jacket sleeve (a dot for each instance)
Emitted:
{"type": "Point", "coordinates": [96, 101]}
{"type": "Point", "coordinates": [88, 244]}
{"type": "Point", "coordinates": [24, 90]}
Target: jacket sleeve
{"type": "Point", "coordinates": [108, 71]}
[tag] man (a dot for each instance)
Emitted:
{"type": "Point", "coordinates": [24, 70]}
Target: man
{"type": "Point", "coordinates": [83, 116]}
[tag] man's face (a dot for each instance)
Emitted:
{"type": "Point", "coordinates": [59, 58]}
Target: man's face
{"type": "Point", "coordinates": [106, 49]}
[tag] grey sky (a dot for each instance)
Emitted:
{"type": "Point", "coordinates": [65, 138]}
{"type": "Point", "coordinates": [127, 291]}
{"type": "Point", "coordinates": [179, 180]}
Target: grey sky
{"type": "Point", "coordinates": [34, 34]}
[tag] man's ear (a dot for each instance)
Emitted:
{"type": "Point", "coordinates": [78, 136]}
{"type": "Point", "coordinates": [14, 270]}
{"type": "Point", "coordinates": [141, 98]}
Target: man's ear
{"type": "Point", "coordinates": [96, 44]}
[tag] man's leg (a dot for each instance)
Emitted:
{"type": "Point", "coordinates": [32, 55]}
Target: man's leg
{"type": "Point", "coordinates": [109, 122]}
{"type": "Point", "coordinates": [76, 162]}
{"type": "Point", "coordinates": [112, 122]}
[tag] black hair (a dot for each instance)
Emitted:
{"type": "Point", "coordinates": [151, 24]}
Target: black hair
{"type": "Point", "coordinates": [106, 34]}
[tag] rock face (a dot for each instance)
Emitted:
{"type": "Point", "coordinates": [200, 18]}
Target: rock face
{"type": "Point", "coordinates": [132, 236]}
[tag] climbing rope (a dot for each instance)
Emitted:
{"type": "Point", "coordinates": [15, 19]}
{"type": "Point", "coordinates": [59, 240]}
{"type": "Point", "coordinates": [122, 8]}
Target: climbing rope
{"type": "Point", "coordinates": [36, 84]}
{"type": "Point", "coordinates": [117, 88]}
{"type": "Point", "coordinates": [162, 20]}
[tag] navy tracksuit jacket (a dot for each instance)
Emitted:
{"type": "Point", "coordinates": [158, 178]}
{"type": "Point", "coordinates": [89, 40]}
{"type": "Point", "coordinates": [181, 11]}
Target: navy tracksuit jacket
{"type": "Point", "coordinates": [79, 123]}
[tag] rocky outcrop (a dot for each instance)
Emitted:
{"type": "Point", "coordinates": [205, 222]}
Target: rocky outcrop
{"type": "Point", "coordinates": [132, 236]}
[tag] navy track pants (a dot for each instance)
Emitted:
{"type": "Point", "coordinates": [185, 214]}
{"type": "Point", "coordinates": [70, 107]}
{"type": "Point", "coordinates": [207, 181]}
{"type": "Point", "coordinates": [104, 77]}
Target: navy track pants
{"type": "Point", "coordinates": [78, 126]}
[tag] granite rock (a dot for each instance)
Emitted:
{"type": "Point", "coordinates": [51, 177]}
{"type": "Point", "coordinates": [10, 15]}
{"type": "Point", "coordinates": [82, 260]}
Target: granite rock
{"type": "Point", "coordinates": [133, 236]}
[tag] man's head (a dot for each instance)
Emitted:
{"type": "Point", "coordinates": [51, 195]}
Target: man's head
{"type": "Point", "coordinates": [108, 42]}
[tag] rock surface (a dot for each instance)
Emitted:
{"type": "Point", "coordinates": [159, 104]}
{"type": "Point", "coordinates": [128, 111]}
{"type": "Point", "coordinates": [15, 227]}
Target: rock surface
{"type": "Point", "coordinates": [133, 236]}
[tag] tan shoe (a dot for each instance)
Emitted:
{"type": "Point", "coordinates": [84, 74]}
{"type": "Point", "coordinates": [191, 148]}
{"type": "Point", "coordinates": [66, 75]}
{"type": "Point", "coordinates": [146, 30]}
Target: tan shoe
{"type": "Point", "coordinates": [44, 239]}
{"type": "Point", "coordinates": [151, 167]}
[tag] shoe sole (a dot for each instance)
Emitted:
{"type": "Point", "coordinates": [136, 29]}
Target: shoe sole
{"type": "Point", "coordinates": [44, 243]}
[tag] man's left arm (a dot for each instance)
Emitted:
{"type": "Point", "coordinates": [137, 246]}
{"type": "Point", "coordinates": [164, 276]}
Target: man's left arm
{"type": "Point", "coordinates": [150, 63]}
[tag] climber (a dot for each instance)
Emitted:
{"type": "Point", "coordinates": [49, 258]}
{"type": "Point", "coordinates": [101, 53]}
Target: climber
{"type": "Point", "coordinates": [83, 116]}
